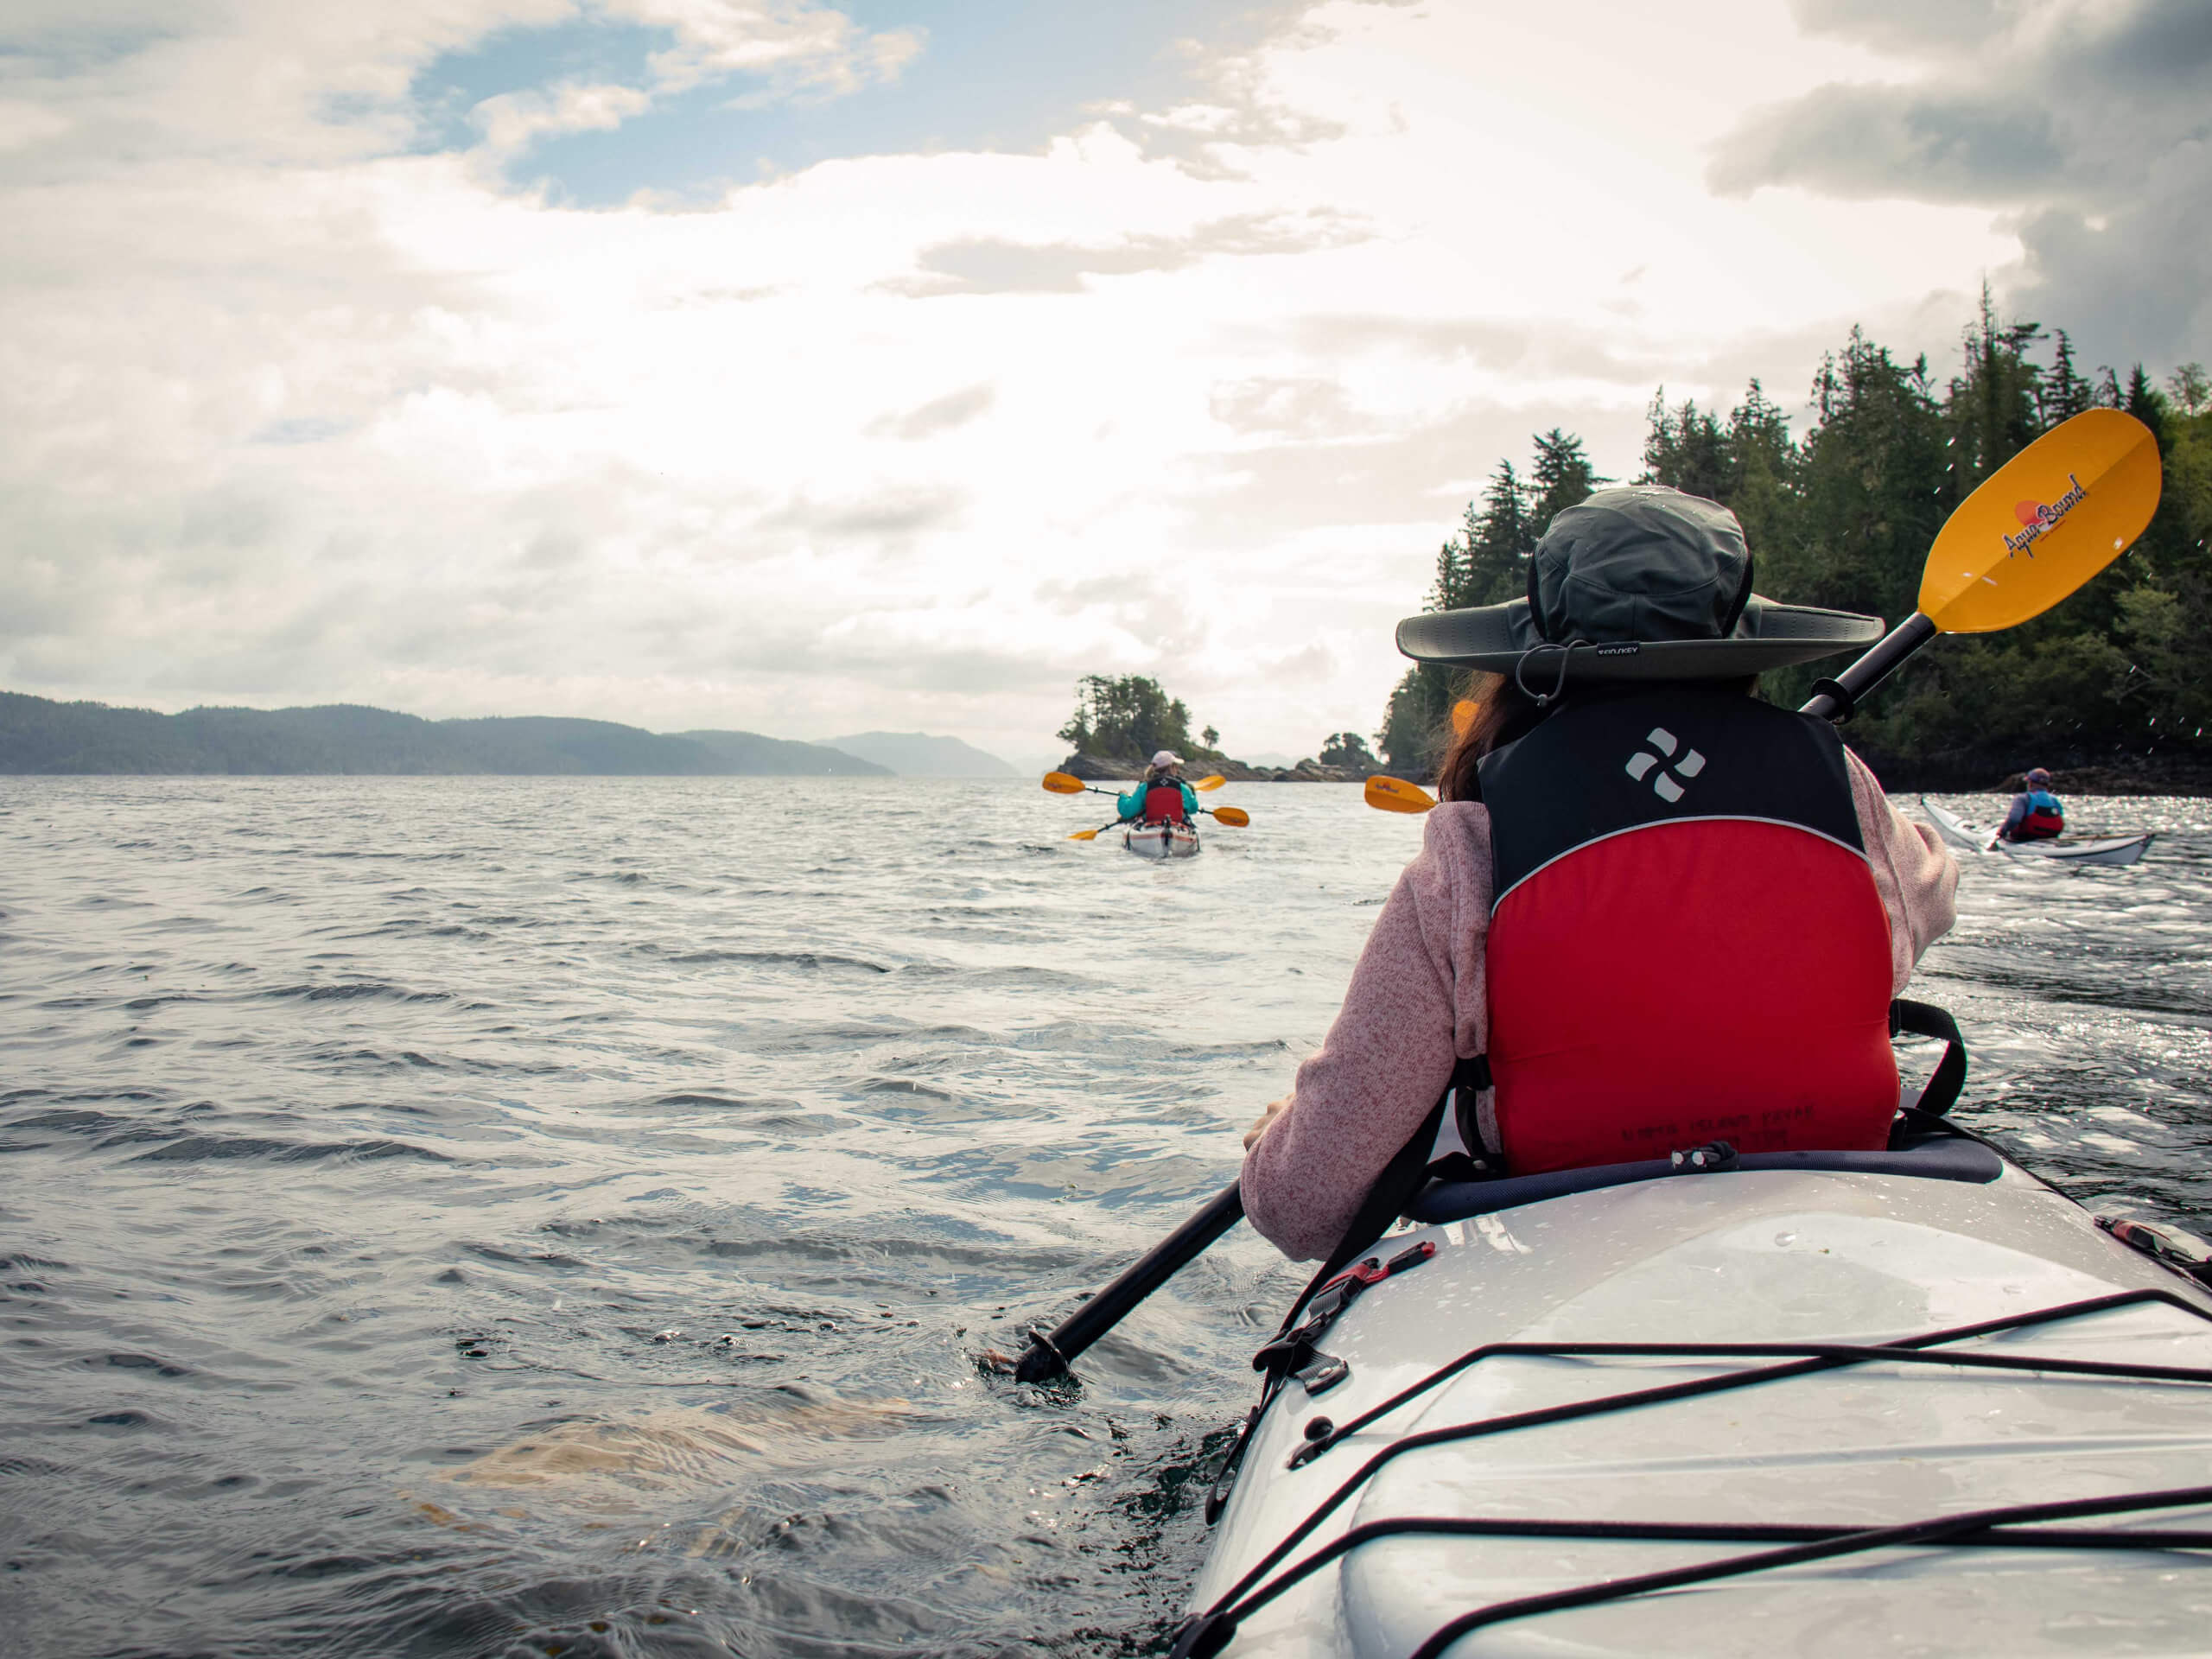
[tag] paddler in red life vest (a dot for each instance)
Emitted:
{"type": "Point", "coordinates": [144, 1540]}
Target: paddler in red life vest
{"type": "Point", "coordinates": [1163, 796]}
{"type": "Point", "coordinates": [2036, 814]}
{"type": "Point", "coordinates": [1650, 911]}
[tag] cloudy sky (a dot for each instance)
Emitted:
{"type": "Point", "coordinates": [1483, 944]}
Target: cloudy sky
{"type": "Point", "coordinates": [808, 368]}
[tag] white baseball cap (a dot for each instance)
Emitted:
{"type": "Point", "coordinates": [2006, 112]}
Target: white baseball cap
{"type": "Point", "coordinates": [1167, 758]}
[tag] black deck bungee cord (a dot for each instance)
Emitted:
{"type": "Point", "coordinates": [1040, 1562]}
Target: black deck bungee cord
{"type": "Point", "coordinates": [1942, 1530]}
{"type": "Point", "coordinates": [1208, 1632]}
{"type": "Point", "coordinates": [1997, 1529]}
{"type": "Point", "coordinates": [1842, 1353]}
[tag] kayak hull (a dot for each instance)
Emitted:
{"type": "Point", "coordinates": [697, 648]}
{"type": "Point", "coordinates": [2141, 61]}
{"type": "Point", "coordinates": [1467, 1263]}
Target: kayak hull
{"type": "Point", "coordinates": [1160, 841]}
{"type": "Point", "coordinates": [1761, 1257]}
{"type": "Point", "coordinates": [2110, 850]}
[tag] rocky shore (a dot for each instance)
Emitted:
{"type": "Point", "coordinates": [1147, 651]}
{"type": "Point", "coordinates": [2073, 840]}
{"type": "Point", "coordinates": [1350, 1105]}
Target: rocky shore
{"type": "Point", "coordinates": [1096, 769]}
{"type": "Point", "coordinates": [2170, 773]}
{"type": "Point", "coordinates": [2130, 774]}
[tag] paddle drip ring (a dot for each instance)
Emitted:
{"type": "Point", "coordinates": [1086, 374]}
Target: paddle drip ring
{"type": "Point", "coordinates": [1544, 699]}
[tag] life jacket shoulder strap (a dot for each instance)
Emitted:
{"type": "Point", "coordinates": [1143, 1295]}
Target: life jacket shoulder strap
{"type": "Point", "coordinates": [1909, 1019]}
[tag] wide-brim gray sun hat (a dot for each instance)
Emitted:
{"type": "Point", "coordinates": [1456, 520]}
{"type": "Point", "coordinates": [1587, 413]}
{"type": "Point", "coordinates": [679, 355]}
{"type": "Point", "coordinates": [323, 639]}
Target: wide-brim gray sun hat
{"type": "Point", "coordinates": [1643, 582]}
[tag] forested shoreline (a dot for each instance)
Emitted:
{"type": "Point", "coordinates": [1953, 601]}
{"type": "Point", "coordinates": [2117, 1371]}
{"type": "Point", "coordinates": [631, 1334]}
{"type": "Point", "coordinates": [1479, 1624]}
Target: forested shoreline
{"type": "Point", "coordinates": [2114, 686]}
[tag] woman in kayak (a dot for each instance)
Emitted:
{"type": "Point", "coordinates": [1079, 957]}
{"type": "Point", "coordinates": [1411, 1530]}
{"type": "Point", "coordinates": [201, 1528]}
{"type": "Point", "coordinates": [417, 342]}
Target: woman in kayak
{"type": "Point", "coordinates": [1650, 912]}
{"type": "Point", "coordinates": [1163, 796]}
{"type": "Point", "coordinates": [2036, 814]}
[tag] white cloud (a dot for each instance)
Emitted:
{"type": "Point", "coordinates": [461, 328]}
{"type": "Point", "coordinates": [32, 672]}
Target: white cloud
{"type": "Point", "coordinates": [289, 412]}
{"type": "Point", "coordinates": [793, 43]}
{"type": "Point", "coordinates": [513, 121]}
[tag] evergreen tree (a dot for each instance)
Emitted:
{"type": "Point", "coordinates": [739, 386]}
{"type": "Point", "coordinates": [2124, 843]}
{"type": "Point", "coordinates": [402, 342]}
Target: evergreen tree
{"type": "Point", "coordinates": [1875, 482]}
{"type": "Point", "coordinates": [1561, 478]}
{"type": "Point", "coordinates": [1764, 464]}
{"type": "Point", "coordinates": [2145, 400]}
{"type": "Point", "coordinates": [1687, 449]}
{"type": "Point", "coordinates": [1499, 539]}
{"type": "Point", "coordinates": [2065, 393]}
{"type": "Point", "coordinates": [1995, 410]}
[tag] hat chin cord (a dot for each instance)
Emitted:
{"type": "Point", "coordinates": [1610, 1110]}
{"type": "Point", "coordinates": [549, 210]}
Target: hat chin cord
{"type": "Point", "coordinates": [1565, 649]}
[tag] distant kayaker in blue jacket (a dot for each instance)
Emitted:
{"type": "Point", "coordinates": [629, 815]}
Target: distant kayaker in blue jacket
{"type": "Point", "coordinates": [1163, 796]}
{"type": "Point", "coordinates": [2036, 814]}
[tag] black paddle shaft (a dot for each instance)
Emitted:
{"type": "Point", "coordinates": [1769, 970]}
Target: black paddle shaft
{"type": "Point", "coordinates": [1048, 1356]}
{"type": "Point", "coordinates": [1843, 694]}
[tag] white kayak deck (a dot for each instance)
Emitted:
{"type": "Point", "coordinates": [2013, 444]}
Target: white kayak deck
{"type": "Point", "coordinates": [1738, 1256]}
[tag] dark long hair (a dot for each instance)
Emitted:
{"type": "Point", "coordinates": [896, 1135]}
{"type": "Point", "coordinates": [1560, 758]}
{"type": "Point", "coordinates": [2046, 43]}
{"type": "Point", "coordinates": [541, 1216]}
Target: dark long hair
{"type": "Point", "coordinates": [1504, 713]}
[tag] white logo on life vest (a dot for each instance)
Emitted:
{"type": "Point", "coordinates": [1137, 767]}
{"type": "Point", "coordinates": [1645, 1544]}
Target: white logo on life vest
{"type": "Point", "coordinates": [1663, 785]}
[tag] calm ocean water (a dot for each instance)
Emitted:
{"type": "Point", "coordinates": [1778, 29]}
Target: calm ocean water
{"type": "Point", "coordinates": [535, 1217]}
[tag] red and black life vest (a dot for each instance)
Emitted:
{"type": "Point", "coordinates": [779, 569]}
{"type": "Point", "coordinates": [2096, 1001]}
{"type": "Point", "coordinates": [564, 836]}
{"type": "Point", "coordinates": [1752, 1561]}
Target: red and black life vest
{"type": "Point", "coordinates": [1685, 943]}
{"type": "Point", "coordinates": [1163, 803]}
{"type": "Point", "coordinates": [2046, 819]}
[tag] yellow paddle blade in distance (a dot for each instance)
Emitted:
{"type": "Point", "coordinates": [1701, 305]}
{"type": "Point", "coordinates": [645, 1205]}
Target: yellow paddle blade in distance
{"type": "Point", "coordinates": [1084, 835]}
{"type": "Point", "coordinates": [1214, 782]}
{"type": "Point", "coordinates": [1463, 716]}
{"type": "Point", "coordinates": [1395, 795]}
{"type": "Point", "coordinates": [1235, 817]}
{"type": "Point", "coordinates": [1061, 783]}
{"type": "Point", "coordinates": [2043, 524]}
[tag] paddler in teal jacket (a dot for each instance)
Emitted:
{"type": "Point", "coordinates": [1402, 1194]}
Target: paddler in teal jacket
{"type": "Point", "coordinates": [2036, 814]}
{"type": "Point", "coordinates": [1164, 773]}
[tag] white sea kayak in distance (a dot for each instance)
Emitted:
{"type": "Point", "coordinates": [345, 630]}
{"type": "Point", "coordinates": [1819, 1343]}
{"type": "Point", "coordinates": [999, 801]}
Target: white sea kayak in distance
{"type": "Point", "coordinates": [1161, 840]}
{"type": "Point", "coordinates": [2110, 850]}
{"type": "Point", "coordinates": [1814, 1404]}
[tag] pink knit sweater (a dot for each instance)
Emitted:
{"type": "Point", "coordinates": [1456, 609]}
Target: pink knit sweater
{"type": "Point", "coordinates": [1417, 1001]}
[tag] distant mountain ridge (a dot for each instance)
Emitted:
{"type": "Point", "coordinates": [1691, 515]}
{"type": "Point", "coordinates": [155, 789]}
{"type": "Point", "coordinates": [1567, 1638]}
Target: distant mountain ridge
{"type": "Point", "coordinates": [917, 754]}
{"type": "Point", "coordinates": [780, 757]}
{"type": "Point", "coordinates": [38, 734]}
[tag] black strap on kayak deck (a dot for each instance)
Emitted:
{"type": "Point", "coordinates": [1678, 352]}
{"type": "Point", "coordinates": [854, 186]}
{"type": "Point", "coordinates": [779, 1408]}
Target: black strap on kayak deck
{"type": "Point", "coordinates": [1395, 1188]}
{"type": "Point", "coordinates": [1208, 1632]}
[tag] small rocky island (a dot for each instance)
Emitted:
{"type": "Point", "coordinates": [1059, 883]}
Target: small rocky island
{"type": "Point", "coordinates": [1119, 723]}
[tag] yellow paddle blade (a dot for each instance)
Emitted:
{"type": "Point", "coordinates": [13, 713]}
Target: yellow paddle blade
{"type": "Point", "coordinates": [1061, 783]}
{"type": "Point", "coordinates": [1395, 795]}
{"type": "Point", "coordinates": [1214, 782]}
{"type": "Point", "coordinates": [1084, 835]}
{"type": "Point", "coordinates": [1235, 816]}
{"type": "Point", "coordinates": [1463, 716]}
{"type": "Point", "coordinates": [2043, 524]}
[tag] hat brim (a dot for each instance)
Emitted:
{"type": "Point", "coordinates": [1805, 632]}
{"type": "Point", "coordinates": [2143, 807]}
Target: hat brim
{"type": "Point", "coordinates": [1769, 635]}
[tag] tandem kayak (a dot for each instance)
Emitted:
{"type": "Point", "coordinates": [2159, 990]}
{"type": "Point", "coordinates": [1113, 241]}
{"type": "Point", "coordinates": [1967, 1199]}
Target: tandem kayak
{"type": "Point", "coordinates": [2111, 850]}
{"type": "Point", "coordinates": [1161, 840]}
{"type": "Point", "coordinates": [1906, 1401]}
